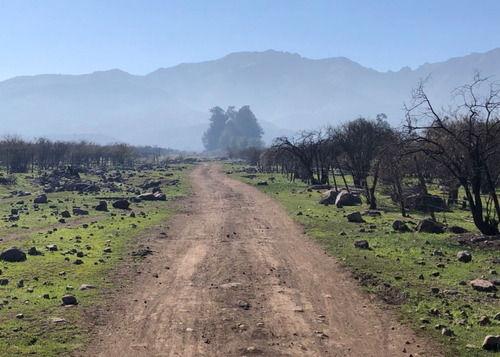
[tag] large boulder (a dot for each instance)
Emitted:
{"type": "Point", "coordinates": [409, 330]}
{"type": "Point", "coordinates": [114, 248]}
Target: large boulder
{"type": "Point", "coordinates": [464, 256]}
{"type": "Point", "coordinates": [424, 203]}
{"type": "Point", "coordinates": [13, 254]}
{"type": "Point", "coordinates": [355, 217]}
{"type": "Point", "coordinates": [361, 244]}
{"type": "Point", "coordinates": [345, 198]}
{"type": "Point", "coordinates": [492, 343]}
{"type": "Point", "coordinates": [147, 197]}
{"type": "Point", "coordinates": [483, 285]}
{"type": "Point", "coordinates": [400, 226]}
{"type": "Point", "coordinates": [102, 206]}
{"type": "Point", "coordinates": [41, 198]}
{"type": "Point", "coordinates": [121, 204]}
{"type": "Point", "coordinates": [160, 196]}
{"type": "Point", "coordinates": [69, 299]}
{"type": "Point", "coordinates": [456, 230]}
{"type": "Point", "coordinates": [430, 226]}
{"type": "Point", "coordinates": [329, 197]}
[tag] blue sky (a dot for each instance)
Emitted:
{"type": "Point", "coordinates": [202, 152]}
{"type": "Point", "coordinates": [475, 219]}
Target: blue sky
{"type": "Point", "coordinates": [83, 36]}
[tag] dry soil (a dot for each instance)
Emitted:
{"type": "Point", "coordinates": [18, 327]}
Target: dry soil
{"type": "Point", "coordinates": [232, 276]}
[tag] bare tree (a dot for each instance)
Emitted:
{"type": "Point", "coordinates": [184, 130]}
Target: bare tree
{"type": "Point", "coordinates": [465, 141]}
{"type": "Point", "coordinates": [16, 154]}
{"type": "Point", "coordinates": [394, 164]}
{"type": "Point", "coordinates": [362, 140]}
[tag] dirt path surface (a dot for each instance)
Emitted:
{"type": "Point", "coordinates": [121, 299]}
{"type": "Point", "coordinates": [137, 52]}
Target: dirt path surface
{"type": "Point", "coordinates": [236, 277]}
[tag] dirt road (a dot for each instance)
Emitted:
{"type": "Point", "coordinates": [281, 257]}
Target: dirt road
{"type": "Point", "coordinates": [234, 276]}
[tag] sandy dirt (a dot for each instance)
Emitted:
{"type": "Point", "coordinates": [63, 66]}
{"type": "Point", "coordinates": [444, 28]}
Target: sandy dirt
{"type": "Point", "coordinates": [234, 276]}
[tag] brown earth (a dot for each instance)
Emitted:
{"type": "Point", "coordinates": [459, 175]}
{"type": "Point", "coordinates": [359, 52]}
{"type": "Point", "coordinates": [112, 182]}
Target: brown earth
{"type": "Point", "coordinates": [235, 276]}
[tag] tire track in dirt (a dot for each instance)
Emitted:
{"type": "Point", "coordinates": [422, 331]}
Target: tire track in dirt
{"type": "Point", "coordinates": [235, 276]}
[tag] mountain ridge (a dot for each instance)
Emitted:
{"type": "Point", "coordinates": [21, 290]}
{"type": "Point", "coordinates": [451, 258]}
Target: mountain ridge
{"type": "Point", "coordinates": [288, 91]}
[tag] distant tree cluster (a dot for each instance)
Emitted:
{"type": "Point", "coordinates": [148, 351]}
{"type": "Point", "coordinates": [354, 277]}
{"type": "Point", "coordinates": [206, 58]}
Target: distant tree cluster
{"type": "Point", "coordinates": [232, 130]}
{"type": "Point", "coordinates": [457, 149]}
{"type": "Point", "coordinates": [18, 155]}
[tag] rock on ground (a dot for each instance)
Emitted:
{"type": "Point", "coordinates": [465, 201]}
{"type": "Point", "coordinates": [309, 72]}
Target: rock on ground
{"type": "Point", "coordinates": [121, 204]}
{"type": "Point", "coordinates": [80, 212]}
{"type": "Point", "coordinates": [329, 197]}
{"type": "Point", "coordinates": [355, 217]}
{"type": "Point", "coordinates": [400, 226]}
{"type": "Point", "coordinates": [492, 343]}
{"type": "Point", "coordinates": [483, 285]}
{"type": "Point", "coordinates": [41, 198]}
{"type": "Point", "coordinates": [86, 287]}
{"type": "Point", "coordinates": [13, 254]}
{"type": "Point", "coordinates": [456, 230]}
{"type": "Point", "coordinates": [147, 196]}
{"type": "Point", "coordinates": [345, 198]}
{"type": "Point", "coordinates": [361, 244]}
{"type": "Point", "coordinates": [102, 206]}
{"type": "Point", "coordinates": [57, 320]}
{"type": "Point", "coordinates": [429, 226]}
{"type": "Point", "coordinates": [464, 256]}
{"type": "Point", "coordinates": [69, 299]}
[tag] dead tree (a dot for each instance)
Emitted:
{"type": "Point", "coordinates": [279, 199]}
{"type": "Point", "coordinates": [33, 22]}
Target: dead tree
{"type": "Point", "coordinates": [465, 140]}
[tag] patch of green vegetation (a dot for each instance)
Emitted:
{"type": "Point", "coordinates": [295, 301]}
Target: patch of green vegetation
{"type": "Point", "coordinates": [32, 318]}
{"type": "Point", "coordinates": [400, 268]}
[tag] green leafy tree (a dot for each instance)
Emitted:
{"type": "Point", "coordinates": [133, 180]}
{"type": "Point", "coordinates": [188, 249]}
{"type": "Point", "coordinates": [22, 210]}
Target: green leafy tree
{"type": "Point", "coordinates": [242, 131]}
{"type": "Point", "coordinates": [217, 125]}
{"type": "Point", "coordinates": [232, 129]}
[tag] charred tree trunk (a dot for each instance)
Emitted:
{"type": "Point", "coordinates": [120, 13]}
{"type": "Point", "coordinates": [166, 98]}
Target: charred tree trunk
{"type": "Point", "coordinates": [373, 202]}
{"type": "Point", "coordinates": [342, 175]}
{"type": "Point", "coordinates": [334, 179]}
{"type": "Point", "coordinates": [423, 189]}
{"type": "Point", "coordinates": [476, 208]}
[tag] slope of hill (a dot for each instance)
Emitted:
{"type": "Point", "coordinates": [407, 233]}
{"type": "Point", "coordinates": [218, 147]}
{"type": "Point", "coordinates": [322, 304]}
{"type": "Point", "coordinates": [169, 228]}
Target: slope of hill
{"type": "Point", "coordinates": [169, 107]}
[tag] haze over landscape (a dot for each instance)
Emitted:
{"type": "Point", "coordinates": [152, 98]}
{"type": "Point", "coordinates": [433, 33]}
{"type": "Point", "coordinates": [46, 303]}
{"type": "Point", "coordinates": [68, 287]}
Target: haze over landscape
{"type": "Point", "coordinates": [169, 106]}
{"type": "Point", "coordinates": [249, 178]}
{"type": "Point", "coordinates": [296, 66]}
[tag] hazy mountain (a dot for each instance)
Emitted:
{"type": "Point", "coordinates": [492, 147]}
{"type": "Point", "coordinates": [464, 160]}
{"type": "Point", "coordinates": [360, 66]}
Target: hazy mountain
{"type": "Point", "coordinates": [169, 107]}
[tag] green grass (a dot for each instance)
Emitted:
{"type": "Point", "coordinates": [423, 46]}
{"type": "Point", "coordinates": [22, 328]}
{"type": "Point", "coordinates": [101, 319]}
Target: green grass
{"type": "Point", "coordinates": [49, 276]}
{"type": "Point", "coordinates": [394, 262]}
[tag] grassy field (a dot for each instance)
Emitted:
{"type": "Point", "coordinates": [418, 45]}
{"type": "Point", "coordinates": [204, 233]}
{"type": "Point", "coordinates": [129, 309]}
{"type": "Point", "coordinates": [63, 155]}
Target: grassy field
{"type": "Point", "coordinates": [416, 273]}
{"type": "Point", "coordinates": [32, 318]}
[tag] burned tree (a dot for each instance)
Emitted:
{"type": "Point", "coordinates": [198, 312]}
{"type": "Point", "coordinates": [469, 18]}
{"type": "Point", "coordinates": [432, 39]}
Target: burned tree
{"type": "Point", "coordinates": [465, 141]}
{"type": "Point", "coordinates": [361, 141]}
{"type": "Point", "coordinates": [309, 148]}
